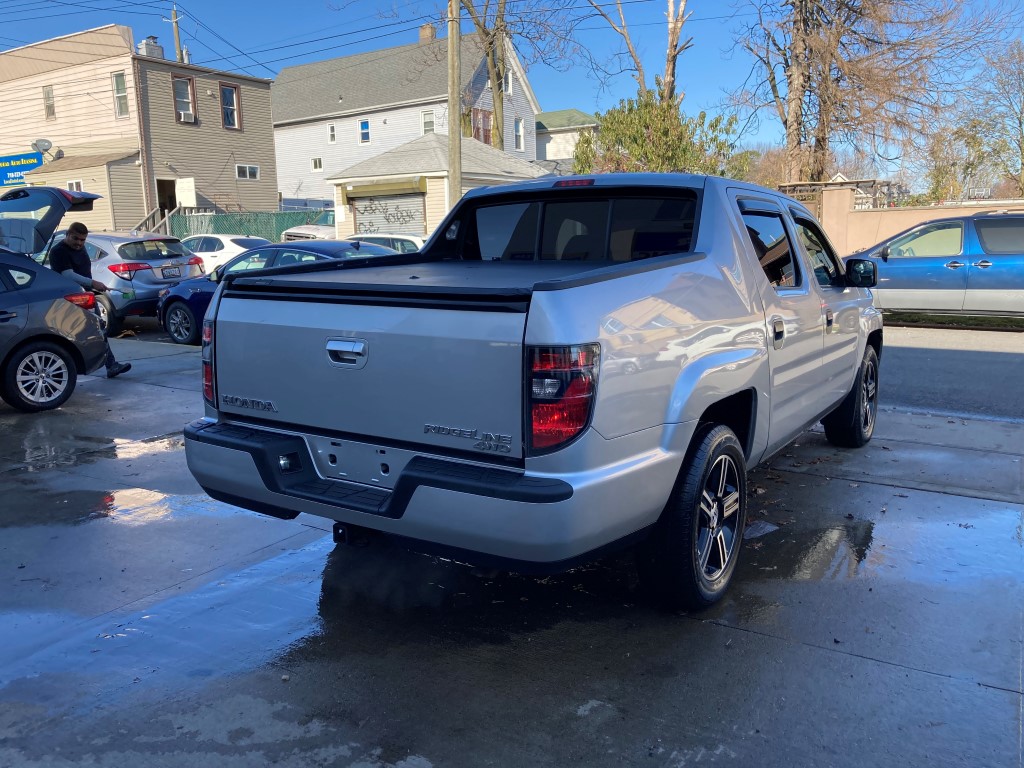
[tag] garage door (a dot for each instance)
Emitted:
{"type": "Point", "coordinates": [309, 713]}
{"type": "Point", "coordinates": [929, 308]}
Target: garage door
{"type": "Point", "coordinates": [390, 214]}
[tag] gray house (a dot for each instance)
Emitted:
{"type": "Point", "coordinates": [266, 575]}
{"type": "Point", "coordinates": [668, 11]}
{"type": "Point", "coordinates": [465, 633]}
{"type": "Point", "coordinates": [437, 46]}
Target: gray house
{"type": "Point", "coordinates": [405, 190]}
{"type": "Point", "coordinates": [332, 115]}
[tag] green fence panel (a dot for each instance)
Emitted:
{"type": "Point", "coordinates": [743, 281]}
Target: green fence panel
{"type": "Point", "coordinates": [266, 224]}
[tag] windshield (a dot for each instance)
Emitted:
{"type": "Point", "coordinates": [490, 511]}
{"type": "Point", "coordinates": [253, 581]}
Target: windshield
{"type": "Point", "coordinates": [325, 219]}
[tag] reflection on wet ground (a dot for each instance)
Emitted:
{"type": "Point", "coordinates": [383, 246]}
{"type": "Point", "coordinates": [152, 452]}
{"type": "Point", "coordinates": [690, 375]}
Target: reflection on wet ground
{"type": "Point", "coordinates": [144, 625]}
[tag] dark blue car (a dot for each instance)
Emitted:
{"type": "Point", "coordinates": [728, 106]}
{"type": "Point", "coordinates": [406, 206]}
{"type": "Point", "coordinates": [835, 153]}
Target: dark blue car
{"type": "Point", "coordinates": [182, 307]}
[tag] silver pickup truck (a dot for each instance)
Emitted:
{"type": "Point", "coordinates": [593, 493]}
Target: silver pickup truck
{"type": "Point", "coordinates": [569, 365]}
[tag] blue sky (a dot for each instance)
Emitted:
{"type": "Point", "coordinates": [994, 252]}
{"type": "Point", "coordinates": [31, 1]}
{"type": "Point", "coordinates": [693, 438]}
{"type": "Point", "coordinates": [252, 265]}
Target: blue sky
{"type": "Point", "coordinates": [216, 30]}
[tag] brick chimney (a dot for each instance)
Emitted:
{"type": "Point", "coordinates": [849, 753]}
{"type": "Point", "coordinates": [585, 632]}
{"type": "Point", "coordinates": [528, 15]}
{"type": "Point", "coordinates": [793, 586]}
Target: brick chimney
{"type": "Point", "coordinates": [427, 33]}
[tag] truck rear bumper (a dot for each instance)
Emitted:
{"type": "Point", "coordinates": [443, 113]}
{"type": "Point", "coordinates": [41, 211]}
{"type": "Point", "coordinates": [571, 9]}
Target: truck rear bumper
{"type": "Point", "coordinates": [502, 515]}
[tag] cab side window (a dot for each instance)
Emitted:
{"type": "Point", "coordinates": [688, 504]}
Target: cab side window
{"type": "Point", "coordinates": [255, 260]}
{"type": "Point", "coordinates": [824, 263]}
{"type": "Point", "coordinates": [774, 251]}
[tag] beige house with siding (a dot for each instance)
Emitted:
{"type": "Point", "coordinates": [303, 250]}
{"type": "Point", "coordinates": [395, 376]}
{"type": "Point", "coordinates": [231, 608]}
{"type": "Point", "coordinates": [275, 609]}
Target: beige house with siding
{"type": "Point", "coordinates": [147, 133]}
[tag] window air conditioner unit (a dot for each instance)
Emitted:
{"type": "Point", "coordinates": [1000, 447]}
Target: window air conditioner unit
{"type": "Point", "coordinates": [186, 117]}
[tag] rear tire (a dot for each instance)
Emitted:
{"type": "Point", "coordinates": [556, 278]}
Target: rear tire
{"type": "Point", "coordinates": [180, 323]}
{"type": "Point", "coordinates": [39, 377]}
{"type": "Point", "coordinates": [853, 422]}
{"type": "Point", "coordinates": [112, 324]}
{"type": "Point", "coordinates": [690, 557]}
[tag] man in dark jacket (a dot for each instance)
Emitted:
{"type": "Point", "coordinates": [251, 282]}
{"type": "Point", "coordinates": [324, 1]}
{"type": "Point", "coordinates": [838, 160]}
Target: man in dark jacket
{"type": "Point", "coordinates": [70, 259]}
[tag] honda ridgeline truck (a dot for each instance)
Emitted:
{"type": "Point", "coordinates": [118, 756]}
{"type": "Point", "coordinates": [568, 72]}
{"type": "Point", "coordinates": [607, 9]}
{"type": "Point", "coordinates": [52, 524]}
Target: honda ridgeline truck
{"type": "Point", "coordinates": [472, 400]}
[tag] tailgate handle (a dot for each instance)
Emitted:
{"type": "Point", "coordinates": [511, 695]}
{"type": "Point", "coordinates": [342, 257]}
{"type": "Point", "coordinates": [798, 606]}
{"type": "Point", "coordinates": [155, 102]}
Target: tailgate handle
{"type": "Point", "coordinates": [349, 352]}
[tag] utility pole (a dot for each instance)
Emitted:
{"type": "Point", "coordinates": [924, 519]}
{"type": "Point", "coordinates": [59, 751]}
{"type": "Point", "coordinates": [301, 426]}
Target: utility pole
{"type": "Point", "coordinates": [177, 37]}
{"type": "Point", "coordinates": [454, 104]}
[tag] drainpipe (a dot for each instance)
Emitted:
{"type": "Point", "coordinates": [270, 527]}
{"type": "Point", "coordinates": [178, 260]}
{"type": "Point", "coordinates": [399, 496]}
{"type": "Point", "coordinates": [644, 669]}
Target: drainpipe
{"type": "Point", "coordinates": [143, 154]}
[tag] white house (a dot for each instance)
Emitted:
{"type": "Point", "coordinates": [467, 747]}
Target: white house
{"type": "Point", "coordinates": [331, 115]}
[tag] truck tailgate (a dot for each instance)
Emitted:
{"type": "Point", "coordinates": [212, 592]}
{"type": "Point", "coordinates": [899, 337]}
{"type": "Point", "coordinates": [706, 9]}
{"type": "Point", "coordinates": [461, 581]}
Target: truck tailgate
{"type": "Point", "coordinates": [442, 377]}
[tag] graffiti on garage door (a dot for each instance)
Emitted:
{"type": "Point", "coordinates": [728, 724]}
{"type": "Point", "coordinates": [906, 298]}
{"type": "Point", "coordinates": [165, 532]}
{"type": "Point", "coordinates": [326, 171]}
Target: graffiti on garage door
{"type": "Point", "coordinates": [397, 214]}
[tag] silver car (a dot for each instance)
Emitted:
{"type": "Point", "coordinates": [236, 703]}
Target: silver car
{"type": "Point", "coordinates": [135, 266]}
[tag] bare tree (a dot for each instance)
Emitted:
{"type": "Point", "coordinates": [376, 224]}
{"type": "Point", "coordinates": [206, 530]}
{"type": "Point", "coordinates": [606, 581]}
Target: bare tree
{"type": "Point", "coordinates": [1000, 103]}
{"type": "Point", "coordinates": [665, 83]}
{"type": "Point", "coordinates": [871, 75]}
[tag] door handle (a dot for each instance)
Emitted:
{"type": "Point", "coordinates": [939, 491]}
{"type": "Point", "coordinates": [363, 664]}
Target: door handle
{"type": "Point", "coordinates": [346, 352]}
{"type": "Point", "coordinates": [830, 319]}
{"type": "Point", "coordinates": [778, 333]}
{"type": "Point", "coordinates": [5, 316]}
{"type": "Point", "coordinates": [954, 264]}
{"type": "Point", "coordinates": [983, 264]}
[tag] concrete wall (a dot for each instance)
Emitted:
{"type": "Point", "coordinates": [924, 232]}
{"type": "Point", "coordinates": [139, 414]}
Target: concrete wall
{"type": "Point", "coordinates": [851, 230]}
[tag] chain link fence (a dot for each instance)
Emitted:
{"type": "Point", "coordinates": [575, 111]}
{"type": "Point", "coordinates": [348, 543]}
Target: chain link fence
{"type": "Point", "coordinates": [265, 224]}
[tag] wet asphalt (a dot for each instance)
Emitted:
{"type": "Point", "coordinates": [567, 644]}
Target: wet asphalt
{"type": "Point", "coordinates": [877, 617]}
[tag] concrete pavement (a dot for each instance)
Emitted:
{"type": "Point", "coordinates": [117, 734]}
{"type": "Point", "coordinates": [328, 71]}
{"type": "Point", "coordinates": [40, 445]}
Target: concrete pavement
{"type": "Point", "coordinates": [877, 617]}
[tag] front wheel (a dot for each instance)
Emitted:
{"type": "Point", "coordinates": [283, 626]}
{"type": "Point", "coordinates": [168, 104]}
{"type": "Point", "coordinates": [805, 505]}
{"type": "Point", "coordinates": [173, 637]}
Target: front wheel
{"type": "Point", "coordinates": [38, 377]}
{"type": "Point", "coordinates": [180, 324]}
{"type": "Point", "coordinates": [853, 422]}
{"type": "Point", "coordinates": [690, 558]}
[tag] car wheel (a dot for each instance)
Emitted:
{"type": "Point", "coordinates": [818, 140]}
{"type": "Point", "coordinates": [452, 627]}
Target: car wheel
{"type": "Point", "coordinates": [629, 368]}
{"type": "Point", "coordinates": [112, 324]}
{"type": "Point", "coordinates": [853, 422]}
{"type": "Point", "coordinates": [38, 377]}
{"type": "Point", "coordinates": [690, 557]}
{"type": "Point", "coordinates": [180, 324]}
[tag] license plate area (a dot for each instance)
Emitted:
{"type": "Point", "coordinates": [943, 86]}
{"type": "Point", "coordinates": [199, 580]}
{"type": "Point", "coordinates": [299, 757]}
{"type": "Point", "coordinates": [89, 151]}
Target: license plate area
{"type": "Point", "coordinates": [171, 271]}
{"type": "Point", "coordinates": [357, 462]}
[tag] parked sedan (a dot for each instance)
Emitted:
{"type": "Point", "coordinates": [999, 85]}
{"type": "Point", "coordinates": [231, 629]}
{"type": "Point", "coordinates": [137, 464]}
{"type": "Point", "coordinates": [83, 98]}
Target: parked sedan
{"type": "Point", "coordinates": [400, 243]}
{"type": "Point", "coordinates": [215, 250]}
{"type": "Point", "coordinates": [182, 307]}
{"type": "Point", "coordinates": [49, 333]}
{"type": "Point", "coordinates": [135, 267]}
{"type": "Point", "coordinates": [967, 264]}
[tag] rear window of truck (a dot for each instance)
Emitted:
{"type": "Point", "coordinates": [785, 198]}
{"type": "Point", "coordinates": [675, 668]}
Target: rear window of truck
{"type": "Point", "coordinates": [609, 228]}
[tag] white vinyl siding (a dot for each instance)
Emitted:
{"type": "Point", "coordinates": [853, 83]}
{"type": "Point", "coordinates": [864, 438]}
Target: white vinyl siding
{"type": "Point", "coordinates": [125, 184]}
{"type": "Point", "coordinates": [293, 143]}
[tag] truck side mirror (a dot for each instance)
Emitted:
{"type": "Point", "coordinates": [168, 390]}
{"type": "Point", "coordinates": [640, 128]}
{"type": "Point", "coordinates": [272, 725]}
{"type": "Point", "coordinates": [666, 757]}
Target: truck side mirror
{"type": "Point", "coordinates": [861, 273]}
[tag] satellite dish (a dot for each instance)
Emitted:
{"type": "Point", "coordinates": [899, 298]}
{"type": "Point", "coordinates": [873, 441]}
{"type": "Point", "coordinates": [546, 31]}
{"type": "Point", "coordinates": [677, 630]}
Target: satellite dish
{"type": "Point", "coordinates": [42, 145]}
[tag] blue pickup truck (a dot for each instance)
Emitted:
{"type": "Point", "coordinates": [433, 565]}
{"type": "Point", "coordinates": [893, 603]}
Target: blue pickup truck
{"type": "Point", "coordinates": [972, 265]}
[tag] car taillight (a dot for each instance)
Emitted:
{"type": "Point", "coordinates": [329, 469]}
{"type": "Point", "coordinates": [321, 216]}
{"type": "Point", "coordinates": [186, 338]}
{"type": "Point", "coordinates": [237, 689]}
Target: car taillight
{"type": "Point", "coordinates": [83, 300]}
{"type": "Point", "coordinates": [208, 395]}
{"type": "Point", "coordinates": [195, 261]}
{"type": "Point", "coordinates": [560, 394]}
{"type": "Point", "coordinates": [127, 269]}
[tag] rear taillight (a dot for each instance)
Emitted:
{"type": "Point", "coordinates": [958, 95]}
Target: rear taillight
{"type": "Point", "coordinates": [208, 394]}
{"type": "Point", "coordinates": [195, 261]}
{"type": "Point", "coordinates": [83, 300]}
{"type": "Point", "coordinates": [127, 269]}
{"type": "Point", "coordinates": [561, 390]}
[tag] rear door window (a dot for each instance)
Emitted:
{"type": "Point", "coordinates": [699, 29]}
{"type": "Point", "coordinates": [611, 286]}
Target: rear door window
{"type": "Point", "coordinates": [19, 278]}
{"type": "Point", "coordinates": [1001, 236]}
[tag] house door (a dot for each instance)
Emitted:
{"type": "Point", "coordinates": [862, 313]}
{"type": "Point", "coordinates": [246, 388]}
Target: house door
{"type": "Point", "coordinates": [166, 195]}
